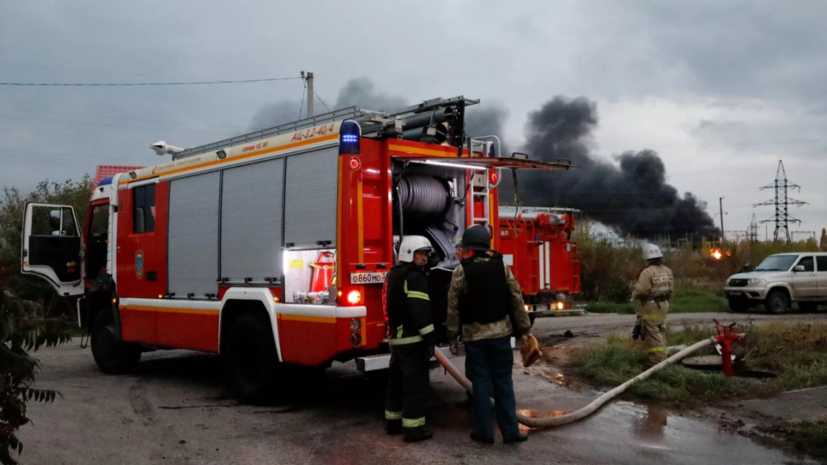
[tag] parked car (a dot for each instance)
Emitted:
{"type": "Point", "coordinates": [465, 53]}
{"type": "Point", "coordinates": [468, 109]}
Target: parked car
{"type": "Point", "coordinates": [779, 281]}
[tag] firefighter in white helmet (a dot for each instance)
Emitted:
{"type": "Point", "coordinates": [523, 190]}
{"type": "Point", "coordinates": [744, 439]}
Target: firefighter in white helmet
{"type": "Point", "coordinates": [411, 336]}
{"type": "Point", "coordinates": [652, 292]}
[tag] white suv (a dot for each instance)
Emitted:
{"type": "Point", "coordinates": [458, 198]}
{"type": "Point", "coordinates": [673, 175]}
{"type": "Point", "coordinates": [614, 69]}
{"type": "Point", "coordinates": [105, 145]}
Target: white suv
{"type": "Point", "coordinates": [780, 280]}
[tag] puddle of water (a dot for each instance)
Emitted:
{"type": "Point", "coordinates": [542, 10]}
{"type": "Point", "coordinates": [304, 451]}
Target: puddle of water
{"type": "Point", "coordinates": [625, 432]}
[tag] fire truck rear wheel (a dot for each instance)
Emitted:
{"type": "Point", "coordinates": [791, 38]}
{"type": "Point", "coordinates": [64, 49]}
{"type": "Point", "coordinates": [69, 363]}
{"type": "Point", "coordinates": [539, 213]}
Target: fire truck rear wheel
{"type": "Point", "coordinates": [251, 360]}
{"type": "Point", "coordinates": [112, 355]}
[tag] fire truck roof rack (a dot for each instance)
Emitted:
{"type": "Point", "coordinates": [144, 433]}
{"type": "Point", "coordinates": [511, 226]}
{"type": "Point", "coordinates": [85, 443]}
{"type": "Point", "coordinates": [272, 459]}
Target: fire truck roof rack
{"type": "Point", "coordinates": [373, 123]}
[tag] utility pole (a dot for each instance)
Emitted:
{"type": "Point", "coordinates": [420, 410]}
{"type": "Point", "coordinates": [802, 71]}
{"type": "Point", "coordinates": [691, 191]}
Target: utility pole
{"type": "Point", "coordinates": [782, 202]}
{"type": "Point", "coordinates": [308, 79]}
{"type": "Point", "coordinates": [721, 206]}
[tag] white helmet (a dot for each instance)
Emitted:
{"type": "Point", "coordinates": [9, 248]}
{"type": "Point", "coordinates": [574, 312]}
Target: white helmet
{"type": "Point", "coordinates": [651, 252]}
{"type": "Point", "coordinates": [411, 244]}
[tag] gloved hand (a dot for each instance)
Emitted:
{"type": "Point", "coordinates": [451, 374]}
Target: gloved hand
{"type": "Point", "coordinates": [455, 348]}
{"type": "Point", "coordinates": [430, 351]}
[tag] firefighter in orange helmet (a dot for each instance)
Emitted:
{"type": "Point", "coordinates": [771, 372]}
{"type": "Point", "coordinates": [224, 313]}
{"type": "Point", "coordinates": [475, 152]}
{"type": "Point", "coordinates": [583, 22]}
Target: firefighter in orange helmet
{"type": "Point", "coordinates": [652, 292]}
{"type": "Point", "coordinates": [411, 336]}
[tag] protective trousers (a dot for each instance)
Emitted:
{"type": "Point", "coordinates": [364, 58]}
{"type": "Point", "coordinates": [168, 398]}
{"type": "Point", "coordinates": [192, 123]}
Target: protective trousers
{"type": "Point", "coordinates": [653, 316]}
{"type": "Point", "coordinates": [655, 339]}
{"type": "Point", "coordinates": [408, 381]}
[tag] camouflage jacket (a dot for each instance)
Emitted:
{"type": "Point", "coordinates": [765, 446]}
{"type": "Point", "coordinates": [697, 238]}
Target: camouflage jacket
{"type": "Point", "coordinates": [478, 331]}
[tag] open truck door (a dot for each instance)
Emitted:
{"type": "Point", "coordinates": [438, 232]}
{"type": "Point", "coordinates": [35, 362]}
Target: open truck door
{"type": "Point", "coordinates": [52, 248]}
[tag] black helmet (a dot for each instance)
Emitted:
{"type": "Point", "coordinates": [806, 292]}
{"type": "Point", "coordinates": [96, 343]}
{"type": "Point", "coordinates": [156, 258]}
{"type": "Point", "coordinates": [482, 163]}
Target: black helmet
{"type": "Point", "coordinates": [476, 237]}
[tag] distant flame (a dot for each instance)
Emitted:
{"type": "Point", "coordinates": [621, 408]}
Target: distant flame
{"type": "Point", "coordinates": [716, 254]}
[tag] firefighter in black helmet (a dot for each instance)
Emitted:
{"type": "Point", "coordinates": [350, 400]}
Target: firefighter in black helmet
{"type": "Point", "coordinates": [411, 336]}
{"type": "Point", "coordinates": [483, 300]}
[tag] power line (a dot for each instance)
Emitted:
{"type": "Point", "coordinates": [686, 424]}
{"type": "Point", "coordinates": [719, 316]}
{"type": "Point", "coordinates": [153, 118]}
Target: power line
{"type": "Point", "coordinates": [119, 118]}
{"type": "Point", "coordinates": [91, 123]}
{"type": "Point", "coordinates": [121, 84]}
{"type": "Point", "coordinates": [320, 99]}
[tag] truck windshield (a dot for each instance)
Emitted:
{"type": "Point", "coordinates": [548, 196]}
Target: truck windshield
{"type": "Point", "coordinates": [777, 263]}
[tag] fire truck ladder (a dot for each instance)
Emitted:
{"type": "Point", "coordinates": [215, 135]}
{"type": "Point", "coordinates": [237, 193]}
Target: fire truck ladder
{"type": "Point", "coordinates": [480, 188]}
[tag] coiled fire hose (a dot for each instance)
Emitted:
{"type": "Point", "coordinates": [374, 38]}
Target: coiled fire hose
{"type": "Point", "coordinates": [571, 417]}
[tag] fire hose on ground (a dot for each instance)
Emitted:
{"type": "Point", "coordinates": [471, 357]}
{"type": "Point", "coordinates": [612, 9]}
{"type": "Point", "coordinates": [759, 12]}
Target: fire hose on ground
{"type": "Point", "coordinates": [582, 413]}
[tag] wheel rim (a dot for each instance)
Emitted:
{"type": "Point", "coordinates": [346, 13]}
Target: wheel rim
{"type": "Point", "coordinates": [778, 304]}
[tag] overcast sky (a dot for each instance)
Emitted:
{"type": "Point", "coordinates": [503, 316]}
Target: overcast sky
{"type": "Point", "coordinates": [721, 90]}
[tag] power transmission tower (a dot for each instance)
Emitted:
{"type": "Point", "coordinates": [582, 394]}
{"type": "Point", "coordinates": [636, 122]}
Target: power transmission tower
{"type": "Point", "coordinates": [753, 229]}
{"type": "Point", "coordinates": [782, 202]}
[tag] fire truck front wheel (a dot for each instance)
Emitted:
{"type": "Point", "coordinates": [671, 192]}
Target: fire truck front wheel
{"type": "Point", "coordinates": [251, 360]}
{"type": "Point", "coordinates": [112, 355]}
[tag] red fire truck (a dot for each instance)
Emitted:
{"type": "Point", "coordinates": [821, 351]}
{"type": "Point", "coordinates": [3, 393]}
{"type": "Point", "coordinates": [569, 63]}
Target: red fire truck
{"type": "Point", "coordinates": [535, 241]}
{"type": "Point", "coordinates": [270, 248]}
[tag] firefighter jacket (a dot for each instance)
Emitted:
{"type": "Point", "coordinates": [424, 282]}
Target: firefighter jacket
{"type": "Point", "coordinates": [653, 291]}
{"type": "Point", "coordinates": [475, 331]}
{"type": "Point", "coordinates": [407, 306]}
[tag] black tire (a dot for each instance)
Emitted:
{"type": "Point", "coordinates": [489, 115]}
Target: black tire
{"type": "Point", "coordinates": [808, 307]}
{"type": "Point", "coordinates": [737, 306]}
{"type": "Point", "coordinates": [112, 355]}
{"type": "Point", "coordinates": [777, 302]}
{"type": "Point", "coordinates": [251, 360]}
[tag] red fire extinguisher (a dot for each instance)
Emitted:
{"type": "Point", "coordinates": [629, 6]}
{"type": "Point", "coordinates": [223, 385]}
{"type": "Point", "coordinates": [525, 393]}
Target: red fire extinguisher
{"type": "Point", "coordinates": [323, 270]}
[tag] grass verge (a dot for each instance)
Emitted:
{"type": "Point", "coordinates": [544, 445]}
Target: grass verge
{"type": "Point", "coordinates": [685, 300]}
{"type": "Point", "coordinates": [796, 351]}
{"type": "Point", "coordinates": [807, 436]}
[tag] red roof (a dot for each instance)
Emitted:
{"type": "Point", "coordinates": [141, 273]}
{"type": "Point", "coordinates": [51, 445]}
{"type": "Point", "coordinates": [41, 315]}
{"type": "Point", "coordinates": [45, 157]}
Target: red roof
{"type": "Point", "coordinates": [105, 171]}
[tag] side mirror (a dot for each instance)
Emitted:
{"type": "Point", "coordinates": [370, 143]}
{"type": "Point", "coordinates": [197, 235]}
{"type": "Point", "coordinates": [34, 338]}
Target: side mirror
{"type": "Point", "coordinates": [798, 268]}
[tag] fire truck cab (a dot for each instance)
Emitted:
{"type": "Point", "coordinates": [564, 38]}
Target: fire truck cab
{"type": "Point", "coordinates": [271, 248]}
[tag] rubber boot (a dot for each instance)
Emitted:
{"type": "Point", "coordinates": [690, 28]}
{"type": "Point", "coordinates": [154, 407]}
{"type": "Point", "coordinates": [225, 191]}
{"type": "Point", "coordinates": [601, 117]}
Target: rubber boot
{"type": "Point", "coordinates": [481, 438]}
{"type": "Point", "coordinates": [393, 427]}
{"type": "Point", "coordinates": [417, 434]}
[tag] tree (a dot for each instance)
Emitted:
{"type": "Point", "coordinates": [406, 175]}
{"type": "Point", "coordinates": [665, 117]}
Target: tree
{"type": "Point", "coordinates": [76, 194]}
{"type": "Point", "coordinates": [23, 328]}
{"type": "Point", "coordinates": [823, 244]}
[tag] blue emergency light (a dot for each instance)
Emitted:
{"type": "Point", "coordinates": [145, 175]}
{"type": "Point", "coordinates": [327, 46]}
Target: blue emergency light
{"type": "Point", "coordinates": [349, 136]}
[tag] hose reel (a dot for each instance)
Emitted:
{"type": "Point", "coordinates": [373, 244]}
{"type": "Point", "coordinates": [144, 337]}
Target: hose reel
{"type": "Point", "coordinates": [424, 196]}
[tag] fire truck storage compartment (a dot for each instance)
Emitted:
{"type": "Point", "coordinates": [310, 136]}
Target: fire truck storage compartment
{"type": "Point", "coordinates": [193, 235]}
{"type": "Point", "coordinates": [299, 272]}
{"type": "Point", "coordinates": [233, 225]}
{"type": "Point", "coordinates": [433, 203]}
{"type": "Point", "coordinates": [252, 199]}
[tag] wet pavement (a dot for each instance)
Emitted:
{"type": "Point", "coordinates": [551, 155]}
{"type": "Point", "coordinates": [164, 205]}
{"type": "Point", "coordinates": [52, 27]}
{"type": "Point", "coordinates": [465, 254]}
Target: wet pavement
{"type": "Point", "coordinates": [176, 411]}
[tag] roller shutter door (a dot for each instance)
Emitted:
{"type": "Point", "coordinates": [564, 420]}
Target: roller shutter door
{"type": "Point", "coordinates": [310, 198]}
{"type": "Point", "coordinates": [251, 221]}
{"type": "Point", "coordinates": [193, 235]}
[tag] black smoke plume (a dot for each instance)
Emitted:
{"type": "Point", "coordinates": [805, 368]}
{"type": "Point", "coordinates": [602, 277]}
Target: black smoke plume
{"type": "Point", "coordinates": [631, 197]}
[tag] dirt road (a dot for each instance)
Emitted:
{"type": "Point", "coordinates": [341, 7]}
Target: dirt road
{"type": "Point", "coordinates": [176, 411]}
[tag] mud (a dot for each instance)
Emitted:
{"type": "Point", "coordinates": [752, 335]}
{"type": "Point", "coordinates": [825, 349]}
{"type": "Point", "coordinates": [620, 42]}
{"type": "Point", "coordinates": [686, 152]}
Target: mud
{"type": "Point", "coordinates": [177, 411]}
